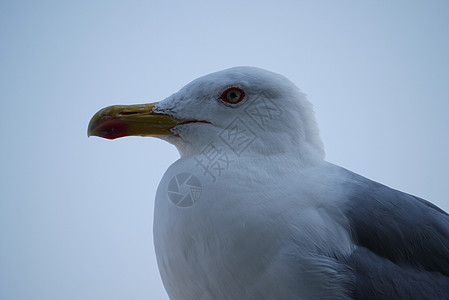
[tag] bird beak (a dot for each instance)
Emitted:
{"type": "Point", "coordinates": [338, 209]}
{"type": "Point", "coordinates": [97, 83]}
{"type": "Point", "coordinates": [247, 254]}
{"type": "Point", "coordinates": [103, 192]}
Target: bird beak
{"type": "Point", "coordinates": [131, 120]}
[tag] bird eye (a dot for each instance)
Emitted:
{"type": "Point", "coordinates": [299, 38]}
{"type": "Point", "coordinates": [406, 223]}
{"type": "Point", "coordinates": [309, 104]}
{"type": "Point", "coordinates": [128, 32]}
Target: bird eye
{"type": "Point", "coordinates": [233, 95]}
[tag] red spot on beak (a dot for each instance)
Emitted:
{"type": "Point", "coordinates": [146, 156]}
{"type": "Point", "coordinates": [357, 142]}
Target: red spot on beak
{"type": "Point", "coordinates": [112, 128]}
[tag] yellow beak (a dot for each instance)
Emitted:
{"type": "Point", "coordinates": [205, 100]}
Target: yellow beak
{"type": "Point", "coordinates": [130, 120]}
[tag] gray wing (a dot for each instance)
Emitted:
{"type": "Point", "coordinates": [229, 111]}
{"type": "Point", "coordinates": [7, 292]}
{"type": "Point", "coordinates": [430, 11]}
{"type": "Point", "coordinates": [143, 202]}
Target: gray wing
{"type": "Point", "coordinates": [403, 243]}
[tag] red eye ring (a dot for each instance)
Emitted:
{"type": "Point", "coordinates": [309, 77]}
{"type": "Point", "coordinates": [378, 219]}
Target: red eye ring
{"type": "Point", "coordinates": [233, 95]}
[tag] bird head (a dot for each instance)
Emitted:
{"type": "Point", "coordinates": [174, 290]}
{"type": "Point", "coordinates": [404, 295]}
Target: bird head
{"type": "Point", "coordinates": [245, 108]}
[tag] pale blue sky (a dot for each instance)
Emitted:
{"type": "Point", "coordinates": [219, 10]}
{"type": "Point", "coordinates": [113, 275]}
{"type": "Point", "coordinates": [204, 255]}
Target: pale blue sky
{"type": "Point", "coordinates": [76, 213]}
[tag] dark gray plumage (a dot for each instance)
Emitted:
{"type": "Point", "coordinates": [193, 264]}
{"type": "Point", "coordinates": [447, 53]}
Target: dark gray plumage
{"type": "Point", "coordinates": [402, 240]}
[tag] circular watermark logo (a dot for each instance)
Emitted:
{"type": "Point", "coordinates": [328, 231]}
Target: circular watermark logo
{"type": "Point", "coordinates": [184, 190]}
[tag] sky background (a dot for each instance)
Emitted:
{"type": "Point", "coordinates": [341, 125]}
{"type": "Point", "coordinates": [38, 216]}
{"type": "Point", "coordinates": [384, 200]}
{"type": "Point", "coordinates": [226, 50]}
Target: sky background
{"type": "Point", "coordinates": [76, 213]}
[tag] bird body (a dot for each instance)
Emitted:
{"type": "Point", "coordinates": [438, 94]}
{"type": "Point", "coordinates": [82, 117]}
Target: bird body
{"type": "Point", "coordinates": [252, 210]}
{"type": "Point", "coordinates": [255, 243]}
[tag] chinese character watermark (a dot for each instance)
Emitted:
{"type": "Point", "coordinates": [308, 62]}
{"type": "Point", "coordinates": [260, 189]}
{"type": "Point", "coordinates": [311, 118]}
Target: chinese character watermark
{"type": "Point", "coordinates": [213, 161]}
{"type": "Point", "coordinates": [237, 136]}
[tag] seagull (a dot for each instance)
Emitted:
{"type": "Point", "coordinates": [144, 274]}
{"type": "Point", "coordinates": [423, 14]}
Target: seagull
{"type": "Point", "coordinates": [252, 210]}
